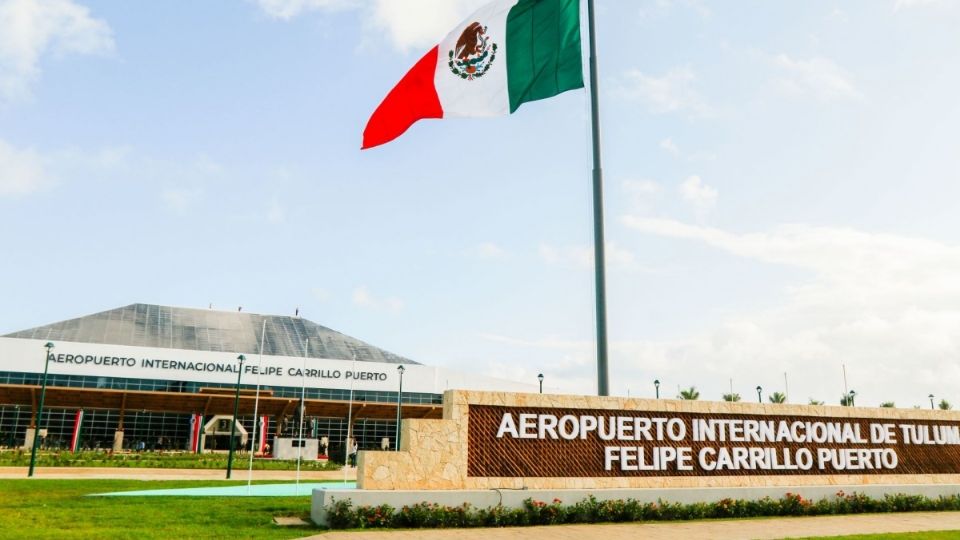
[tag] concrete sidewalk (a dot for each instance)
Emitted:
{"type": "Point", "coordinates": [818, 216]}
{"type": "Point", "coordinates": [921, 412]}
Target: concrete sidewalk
{"type": "Point", "coordinates": [129, 473]}
{"type": "Point", "coordinates": [773, 528]}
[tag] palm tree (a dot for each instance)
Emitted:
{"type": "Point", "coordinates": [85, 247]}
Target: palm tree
{"type": "Point", "coordinates": [731, 397]}
{"type": "Point", "coordinates": [815, 402]}
{"type": "Point", "coordinates": [846, 400]}
{"type": "Point", "coordinates": [887, 405]}
{"type": "Point", "coordinates": [945, 405]}
{"type": "Point", "coordinates": [689, 393]}
{"type": "Point", "coordinates": [778, 397]}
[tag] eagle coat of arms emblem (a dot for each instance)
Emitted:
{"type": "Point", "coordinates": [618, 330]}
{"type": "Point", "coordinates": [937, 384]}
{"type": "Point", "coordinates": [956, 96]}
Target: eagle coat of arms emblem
{"type": "Point", "coordinates": [473, 54]}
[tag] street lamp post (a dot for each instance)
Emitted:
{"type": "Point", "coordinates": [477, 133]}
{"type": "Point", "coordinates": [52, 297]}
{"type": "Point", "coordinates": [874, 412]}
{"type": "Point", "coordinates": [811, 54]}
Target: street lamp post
{"type": "Point", "coordinates": [16, 425]}
{"type": "Point", "coordinates": [36, 427]}
{"type": "Point", "coordinates": [656, 387]}
{"type": "Point", "coordinates": [400, 370]}
{"type": "Point", "coordinates": [931, 402]}
{"type": "Point", "coordinates": [233, 423]}
{"type": "Point", "coordinates": [540, 378]}
{"type": "Point", "coordinates": [853, 396]}
{"type": "Point", "coordinates": [759, 394]}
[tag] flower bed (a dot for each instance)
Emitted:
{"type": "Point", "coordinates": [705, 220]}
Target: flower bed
{"type": "Point", "coordinates": [342, 514]}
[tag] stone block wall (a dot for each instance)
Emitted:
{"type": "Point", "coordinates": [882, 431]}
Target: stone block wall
{"type": "Point", "coordinates": [433, 453]}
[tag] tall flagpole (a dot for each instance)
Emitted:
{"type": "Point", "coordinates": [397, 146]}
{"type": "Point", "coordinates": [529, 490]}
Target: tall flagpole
{"type": "Point", "coordinates": [347, 445]}
{"type": "Point", "coordinates": [603, 378]}
{"type": "Point", "coordinates": [303, 410]}
{"type": "Point", "coordinates": [256, 406]}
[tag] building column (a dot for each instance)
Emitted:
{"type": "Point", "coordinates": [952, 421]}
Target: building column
{"type": "Point", "coordinates": [263, 427]}
{"type": "Point", "coordinates": [118, 434]}
{"type": "Point", "coordinates": [118, 440]}
{"type": "Point", "coordinates": [28, 437]}
{"type": "Point", "coordinates": [32, 430]}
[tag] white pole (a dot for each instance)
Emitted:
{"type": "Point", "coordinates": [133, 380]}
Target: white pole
{"type": "Point", "coordinates": [347, 445]}
{"type": "Point", "coordinates": [786, 388]}
{"type": "Point", "coordinates": [256, 404]}
{"type": "Point", "coordinates": [303, 410]}
{"type": "Point", "coordinates": [845, 391]}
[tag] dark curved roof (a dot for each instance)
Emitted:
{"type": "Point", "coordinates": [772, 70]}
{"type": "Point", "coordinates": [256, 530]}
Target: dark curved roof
{"type": "Point", "coordinates": [149, 325]}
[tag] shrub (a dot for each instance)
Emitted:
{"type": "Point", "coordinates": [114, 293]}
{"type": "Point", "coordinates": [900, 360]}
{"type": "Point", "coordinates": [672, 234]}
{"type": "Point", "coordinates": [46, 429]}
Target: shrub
{"type": "Point", "coordinates": [342, 515]}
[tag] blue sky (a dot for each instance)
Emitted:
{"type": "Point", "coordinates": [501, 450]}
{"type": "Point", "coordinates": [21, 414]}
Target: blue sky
{"type": "Point", "coordinates": [781, 188]}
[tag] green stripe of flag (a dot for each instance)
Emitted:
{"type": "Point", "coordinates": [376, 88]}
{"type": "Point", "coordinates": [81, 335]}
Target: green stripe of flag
{"type": "Point", "coordinates": [544, 55]}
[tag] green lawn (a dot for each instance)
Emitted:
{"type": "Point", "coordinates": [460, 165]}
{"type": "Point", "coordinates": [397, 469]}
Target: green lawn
{"type": "Point", "coordinates": [161, 460]}
{"type": "Point", "coordinates": [41, 508]}
{"type": "Point", "coordinates": [933, 535]}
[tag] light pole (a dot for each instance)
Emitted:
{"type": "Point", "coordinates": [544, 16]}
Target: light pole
{"type": "Point", "coordinates": [656, 387]}
{"type": "Point", "coordinates": [759, 394]}
{"type": "Point", "coordinates": [931, 402]}
{"type": "Point", "coordinates": [400, 370]}
{"type": "Point", "coordinates": [16, 425]}
{"type": "Point", "coordinates": [853, 395]}
{"type": "Point", "coordinates": [236, 409]}
{"type": "Point", "coordinates": [540, 378]}
{"type": "Point", "coordinates": [36, 427]}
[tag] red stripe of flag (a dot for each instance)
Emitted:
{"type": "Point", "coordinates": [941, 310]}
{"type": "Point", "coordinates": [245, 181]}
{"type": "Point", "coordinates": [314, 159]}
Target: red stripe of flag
{"type": "Point", "coordinates": [413, 98]}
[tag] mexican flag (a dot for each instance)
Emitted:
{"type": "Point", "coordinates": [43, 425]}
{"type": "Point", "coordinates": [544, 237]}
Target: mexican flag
{"type": "Point", "coordinates": [507, 53]}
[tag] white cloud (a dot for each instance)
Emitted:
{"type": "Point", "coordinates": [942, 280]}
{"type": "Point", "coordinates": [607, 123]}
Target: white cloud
{"type": "Point", "coordinates": [641, 193]}
{"type": "Point", "coordinates": [887, 307]}
{"type": "Point", "coordinates": [180, 200]}
{"type": "Point", "coordinates": [21, 171]}
{"type": "Point", "coordinates": [838, 15]}
{"type": "Point", "coordinates": [320, 294]}
{"type": "Point", "coordinates": [29, 29]}
{"type": "Point", "coordinates": [276, 212]}
{"type": "Point", "coordinates": [582, 256]}
{"type": "Point", "coordinates": [884, 305]}
{"type": "Point", "coordinates": [362, 297]}
{"type": "Point", "coordinates": [907, 4]}
{"type": "Point", "coordinates": [820, 78]}
{"type": "Point", "coordinates": [665, 6]}
{"type": "Point", "coordinates": [671, 147]}
{"type": "Point", "coordinates": [408, 24]}
{"type": "Point", "coordinates": [641, 187]}
{"type": "Point", "coordinates": [694, 191]}
{"type": "Point", "coordinates": [672, 92]}
{"type": "Point", "coordinates": [420, 23]}
{"type": "Point", "coordinates": [486, 250]}
{"type": "Point", "coordinates": [288, 9]}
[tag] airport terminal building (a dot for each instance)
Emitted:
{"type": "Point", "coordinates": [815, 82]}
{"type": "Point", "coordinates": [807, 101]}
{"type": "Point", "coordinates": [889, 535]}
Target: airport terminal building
{"type": "Point", "coordinates": [147, 376]}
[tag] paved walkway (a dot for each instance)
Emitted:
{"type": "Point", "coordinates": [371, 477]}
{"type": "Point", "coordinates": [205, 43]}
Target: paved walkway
{"type": "Point", "coordinates": [714, 530]}
{"type": "Point", "coordinates": [127, 473]}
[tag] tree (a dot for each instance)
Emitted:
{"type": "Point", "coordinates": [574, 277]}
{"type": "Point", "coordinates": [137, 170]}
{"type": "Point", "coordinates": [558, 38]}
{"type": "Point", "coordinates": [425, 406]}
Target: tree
{"type": "Point", "coordinates": [887, 405]}
{"type": "Point", "coordinates": [945, 405]}
{"type": "Point", "coordinates": [815, 402]}
{"type": "Point", "coordinates": [731, 397]}
{"type": "Point", "coordinates": [778, 397]}
{"type": "Point", "coordinates": [846, 400]}
{"type": "Point", "coordinates": [689, 393]}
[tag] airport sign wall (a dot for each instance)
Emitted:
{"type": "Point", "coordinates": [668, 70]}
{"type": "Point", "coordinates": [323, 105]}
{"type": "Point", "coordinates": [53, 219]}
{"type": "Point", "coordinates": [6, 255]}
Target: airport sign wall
{"type": "Point", "coordinates": [546, 442]}
{"type": "Point", "coordinates": [502, 440]}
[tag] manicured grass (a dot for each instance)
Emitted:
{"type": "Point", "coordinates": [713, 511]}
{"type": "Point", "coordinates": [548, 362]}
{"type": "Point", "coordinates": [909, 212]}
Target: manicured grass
{"type": "Point", "coordinates": [160, 460]}
{"type": "Point", "coordinates": [41, 508]}
{"type": "Point", "coordinates": [931, 535]}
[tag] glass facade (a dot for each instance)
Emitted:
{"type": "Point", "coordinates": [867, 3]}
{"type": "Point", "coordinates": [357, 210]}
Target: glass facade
{"type": "Point", "coordinates": [149, 325]}
{"type": "Point", "coordinates": [170, 431]}
{"type": "Point", "coordinates": [157, 385]}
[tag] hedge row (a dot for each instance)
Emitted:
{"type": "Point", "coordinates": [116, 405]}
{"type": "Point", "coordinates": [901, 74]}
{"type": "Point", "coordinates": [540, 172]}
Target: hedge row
{"type": "Point", "coordinates": [166, 460]}
{"type": "Point", "coordinates": [342, 515]}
